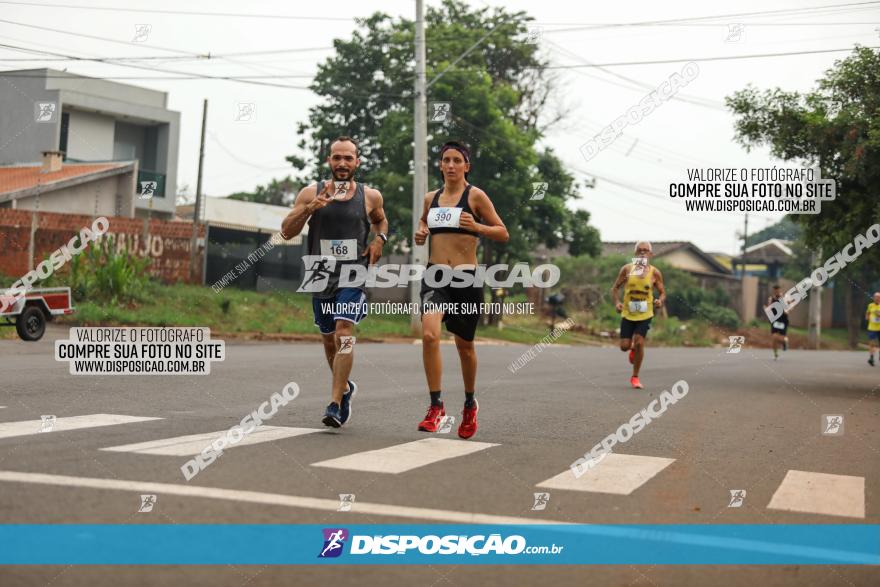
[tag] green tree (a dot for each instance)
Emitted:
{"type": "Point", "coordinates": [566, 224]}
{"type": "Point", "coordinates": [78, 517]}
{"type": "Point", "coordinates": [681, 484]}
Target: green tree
{"type": "Point", "coordinates": [786, 229]}
{"type": "Point", "coordinates": [582, 238]}
{"type": "Point", "coordinates": [277, 192]}
{"type": "Point", "coordinates": [687, 300]}
{"type": "Point", "coordinates": [837, 128]}
{"type": "Point", "coordinates": [499, 95]}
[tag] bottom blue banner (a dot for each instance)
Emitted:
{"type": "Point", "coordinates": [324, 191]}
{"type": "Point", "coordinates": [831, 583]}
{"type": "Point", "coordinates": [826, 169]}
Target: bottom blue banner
{"type": "Point", "coordinates": [415, 544]}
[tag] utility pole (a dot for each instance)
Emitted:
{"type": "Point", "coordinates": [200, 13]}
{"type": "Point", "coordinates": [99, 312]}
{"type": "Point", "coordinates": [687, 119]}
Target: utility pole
{"type": "Point", "coordinates": [198, 206]}
{"type": "Point", "coordinates": [745, 240]}
{"type": "Point", "coordinates": [420, 158]}
{"type": "Point", "coordinates": [814, 320]}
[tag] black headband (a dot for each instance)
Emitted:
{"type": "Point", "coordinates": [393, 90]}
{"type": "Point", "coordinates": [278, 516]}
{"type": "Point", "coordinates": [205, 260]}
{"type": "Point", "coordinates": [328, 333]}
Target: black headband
{"type": "Point", "coordinates": [460, 148]}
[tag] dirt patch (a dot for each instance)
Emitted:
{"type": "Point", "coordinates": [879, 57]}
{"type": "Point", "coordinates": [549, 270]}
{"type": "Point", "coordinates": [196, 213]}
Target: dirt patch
{"type": "Point", "coordinates": [761, 338]}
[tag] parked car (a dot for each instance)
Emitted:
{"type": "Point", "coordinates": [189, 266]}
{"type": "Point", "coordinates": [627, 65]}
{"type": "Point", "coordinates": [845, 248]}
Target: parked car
{"type": "Point", "coordinates": [38, 306]}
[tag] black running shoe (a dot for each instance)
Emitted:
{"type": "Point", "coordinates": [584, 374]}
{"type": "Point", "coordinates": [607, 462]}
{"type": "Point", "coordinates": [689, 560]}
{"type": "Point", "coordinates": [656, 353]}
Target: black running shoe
{"type": "Point", "coordinates": [331, 416]}
{"type": "Point", "coordinates": [345, 406]}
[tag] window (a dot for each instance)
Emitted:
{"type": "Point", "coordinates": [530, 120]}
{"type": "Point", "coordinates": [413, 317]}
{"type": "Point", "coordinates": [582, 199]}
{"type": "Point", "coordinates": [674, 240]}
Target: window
{"type": "Point", "coordinates": [65, 124]}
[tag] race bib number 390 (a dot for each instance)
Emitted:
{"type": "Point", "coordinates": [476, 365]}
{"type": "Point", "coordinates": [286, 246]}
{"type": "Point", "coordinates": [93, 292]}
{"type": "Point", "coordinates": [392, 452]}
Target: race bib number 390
{"type": "Point", "coordinates": [444, 217]}
{"type": "Point", "coordinates": [340, 249]}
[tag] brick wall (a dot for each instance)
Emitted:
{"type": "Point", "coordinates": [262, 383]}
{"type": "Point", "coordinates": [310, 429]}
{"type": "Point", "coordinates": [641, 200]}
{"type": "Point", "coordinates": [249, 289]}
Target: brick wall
{"type": "Point", "coordinates": [166, 243]}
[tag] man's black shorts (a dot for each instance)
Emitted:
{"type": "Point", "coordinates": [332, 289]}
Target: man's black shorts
{"type": "Point", "coordinates": [462, 322]}
{"type": "Point", "coordinates": [630, 327]}
{"type": "Point", "coordinates": [779, 326]}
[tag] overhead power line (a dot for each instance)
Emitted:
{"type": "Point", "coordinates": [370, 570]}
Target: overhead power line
{"type": "Point", "coordinates": [178, 75]}
{"type": "Point", "coordinates": [718, 24]}
{"type": "Point", "coordinates": [640, 86]}
{"type": "Point", "coordinates": [189, 54]}
{"type": "Point", "coordinates": [255, 78]}
{"type": "Point", "coordinates": [274, 16]}
{"type": "Point", "coordinates": [182, 12]}
{"type": "Point", "coordinates": [99, 38]}
{"type": "Point", "coordinates": [190, 75]}
{"type": "Point", "coordinates": [686, 59]}
{"type": "Point", "coordinates": [805, 10]}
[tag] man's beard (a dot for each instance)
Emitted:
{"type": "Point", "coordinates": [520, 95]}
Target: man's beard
{"type": "Point", "coordinates": [345, 175]}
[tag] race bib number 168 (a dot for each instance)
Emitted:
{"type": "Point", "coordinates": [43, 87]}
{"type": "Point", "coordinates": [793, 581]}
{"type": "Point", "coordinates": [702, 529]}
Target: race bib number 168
{"type": "Point", "coordinates": [341, 249]}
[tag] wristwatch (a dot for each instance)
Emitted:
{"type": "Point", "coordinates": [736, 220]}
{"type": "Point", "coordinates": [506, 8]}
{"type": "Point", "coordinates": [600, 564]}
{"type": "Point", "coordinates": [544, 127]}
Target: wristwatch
{"type": "Point", "coordinates": [383, 237]}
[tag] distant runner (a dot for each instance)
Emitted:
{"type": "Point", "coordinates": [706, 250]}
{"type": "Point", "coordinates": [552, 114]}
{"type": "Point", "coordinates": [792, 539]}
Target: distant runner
{"type": "Point", "coordinates": [638, 279]}
{"type": "Point", "coordinates": [455, 216]}
{"type": "Point", "coordinates": [340, 214]}
{"type": "Point", "coordinates": [779, 327]}
{"type": "Point", "coordinates": [873, 317]}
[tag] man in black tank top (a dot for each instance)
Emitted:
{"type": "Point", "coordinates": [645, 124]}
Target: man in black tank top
{"type": "Point", "coordinates": [347, 226]}
{"type": "Point", "coordinates": [779, 327]}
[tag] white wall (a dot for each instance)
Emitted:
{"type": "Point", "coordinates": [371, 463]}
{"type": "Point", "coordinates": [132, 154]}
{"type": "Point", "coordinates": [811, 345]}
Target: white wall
{"type": "Point", "coordinates": [90, 136]}
{"type": "Point", "coordinates": [128, 143]}
{"type": "Point", "coordinates": [687, 260]}
{"type": "Point", "coordinates": [111, 196]}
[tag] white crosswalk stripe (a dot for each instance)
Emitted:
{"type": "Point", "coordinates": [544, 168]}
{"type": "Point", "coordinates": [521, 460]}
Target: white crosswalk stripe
{"type": "Point", "coordinates": [193, 444]}
{"type": "Point", "coordinates": [271, 499]}
{"type": "Point", "coordinates": [28, 427]}
{"type": "Point", "coordinates": [820, 493]}
{"type": "Point", "coordinates": [405, 457]}
{"type": "Point", "coordinates": [616, 473]}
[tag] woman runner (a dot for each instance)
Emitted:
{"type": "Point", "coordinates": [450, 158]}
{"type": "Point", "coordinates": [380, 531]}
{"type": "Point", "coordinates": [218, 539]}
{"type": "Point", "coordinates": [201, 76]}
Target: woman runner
{"type": "Point", "coordinates": [455, 216]}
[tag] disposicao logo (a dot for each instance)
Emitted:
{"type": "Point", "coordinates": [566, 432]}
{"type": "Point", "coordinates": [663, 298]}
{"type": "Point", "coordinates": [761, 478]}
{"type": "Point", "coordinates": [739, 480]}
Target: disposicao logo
{"type": "Point", "coordinates": [334, 541]}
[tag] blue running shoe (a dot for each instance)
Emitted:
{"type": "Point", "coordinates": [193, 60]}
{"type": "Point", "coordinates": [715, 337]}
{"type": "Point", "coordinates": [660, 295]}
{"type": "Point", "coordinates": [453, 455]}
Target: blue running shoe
{"type": "Point", "coordinates": [345, 408]}
{"type": "Point", "coordinates": [331, 416]}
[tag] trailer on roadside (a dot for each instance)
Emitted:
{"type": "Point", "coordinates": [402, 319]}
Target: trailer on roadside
{"type": "Point", "coordinates": [30, 313]}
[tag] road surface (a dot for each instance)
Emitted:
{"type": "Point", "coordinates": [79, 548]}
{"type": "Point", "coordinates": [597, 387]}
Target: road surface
{"type": "Point", "coordinates": [747, 423]}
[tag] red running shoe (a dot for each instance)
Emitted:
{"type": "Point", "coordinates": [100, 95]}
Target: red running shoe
{"type": "Point", "coordinates": [634, 381]}
{"type": "Point", "coordinates": [632, 356]}
{"type": "Point", "coordinates": [468, 426]}
{"type": "Point", "coordinates": [432, 418]}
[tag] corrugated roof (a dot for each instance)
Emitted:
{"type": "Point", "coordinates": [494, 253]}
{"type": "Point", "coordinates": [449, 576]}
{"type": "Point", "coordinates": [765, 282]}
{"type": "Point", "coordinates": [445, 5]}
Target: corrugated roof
{"type": "Point", "coordinates": [773, 242]}
{"type": "Point", "coordinates": [768, 252]}
{"type": "Point", "coordinates": [16, 178]}
{"type": "Point", "coordinates": [241, 214]}
{"type": "Point", "coordinates": [662, 248]}
{"type": "Point", "coordinates": [628, 247]}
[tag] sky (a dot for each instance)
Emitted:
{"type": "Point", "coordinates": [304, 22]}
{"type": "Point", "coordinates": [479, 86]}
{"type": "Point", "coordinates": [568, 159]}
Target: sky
{"type": "Point", "coordinates": [630, 199]}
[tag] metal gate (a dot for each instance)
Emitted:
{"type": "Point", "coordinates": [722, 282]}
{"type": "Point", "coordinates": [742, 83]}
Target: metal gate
{"type": "Point", "coordinates": [238, 258]}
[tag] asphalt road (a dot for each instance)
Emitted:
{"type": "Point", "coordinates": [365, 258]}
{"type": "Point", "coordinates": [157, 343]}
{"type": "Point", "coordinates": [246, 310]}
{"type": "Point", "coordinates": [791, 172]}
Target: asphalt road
{"type": "Point", "coordinates": [745, 423]}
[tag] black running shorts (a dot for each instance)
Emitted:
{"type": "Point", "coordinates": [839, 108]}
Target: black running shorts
{"type": "Point", "coordinates": [779, 326]}
{"type": "Point", "coordinates": [460, 306]}
{"type": "Point", "coordinates": [630, 327]}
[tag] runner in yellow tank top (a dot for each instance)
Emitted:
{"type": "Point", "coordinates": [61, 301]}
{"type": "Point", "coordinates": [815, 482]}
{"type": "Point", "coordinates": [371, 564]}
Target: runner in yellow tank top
{"type": "Point", "coordinates": [872, 315]}
{"type": "Point", "coordinates": [638, 294]}
{"type": "Point", "coordinates": [638, 280]}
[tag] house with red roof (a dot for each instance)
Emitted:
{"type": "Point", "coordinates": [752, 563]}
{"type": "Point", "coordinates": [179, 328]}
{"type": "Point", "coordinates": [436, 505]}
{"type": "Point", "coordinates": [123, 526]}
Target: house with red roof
{"type": "Point", "coordinates": [103, 131]}
{"type": "Point", "coordinates": [98, 189]}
